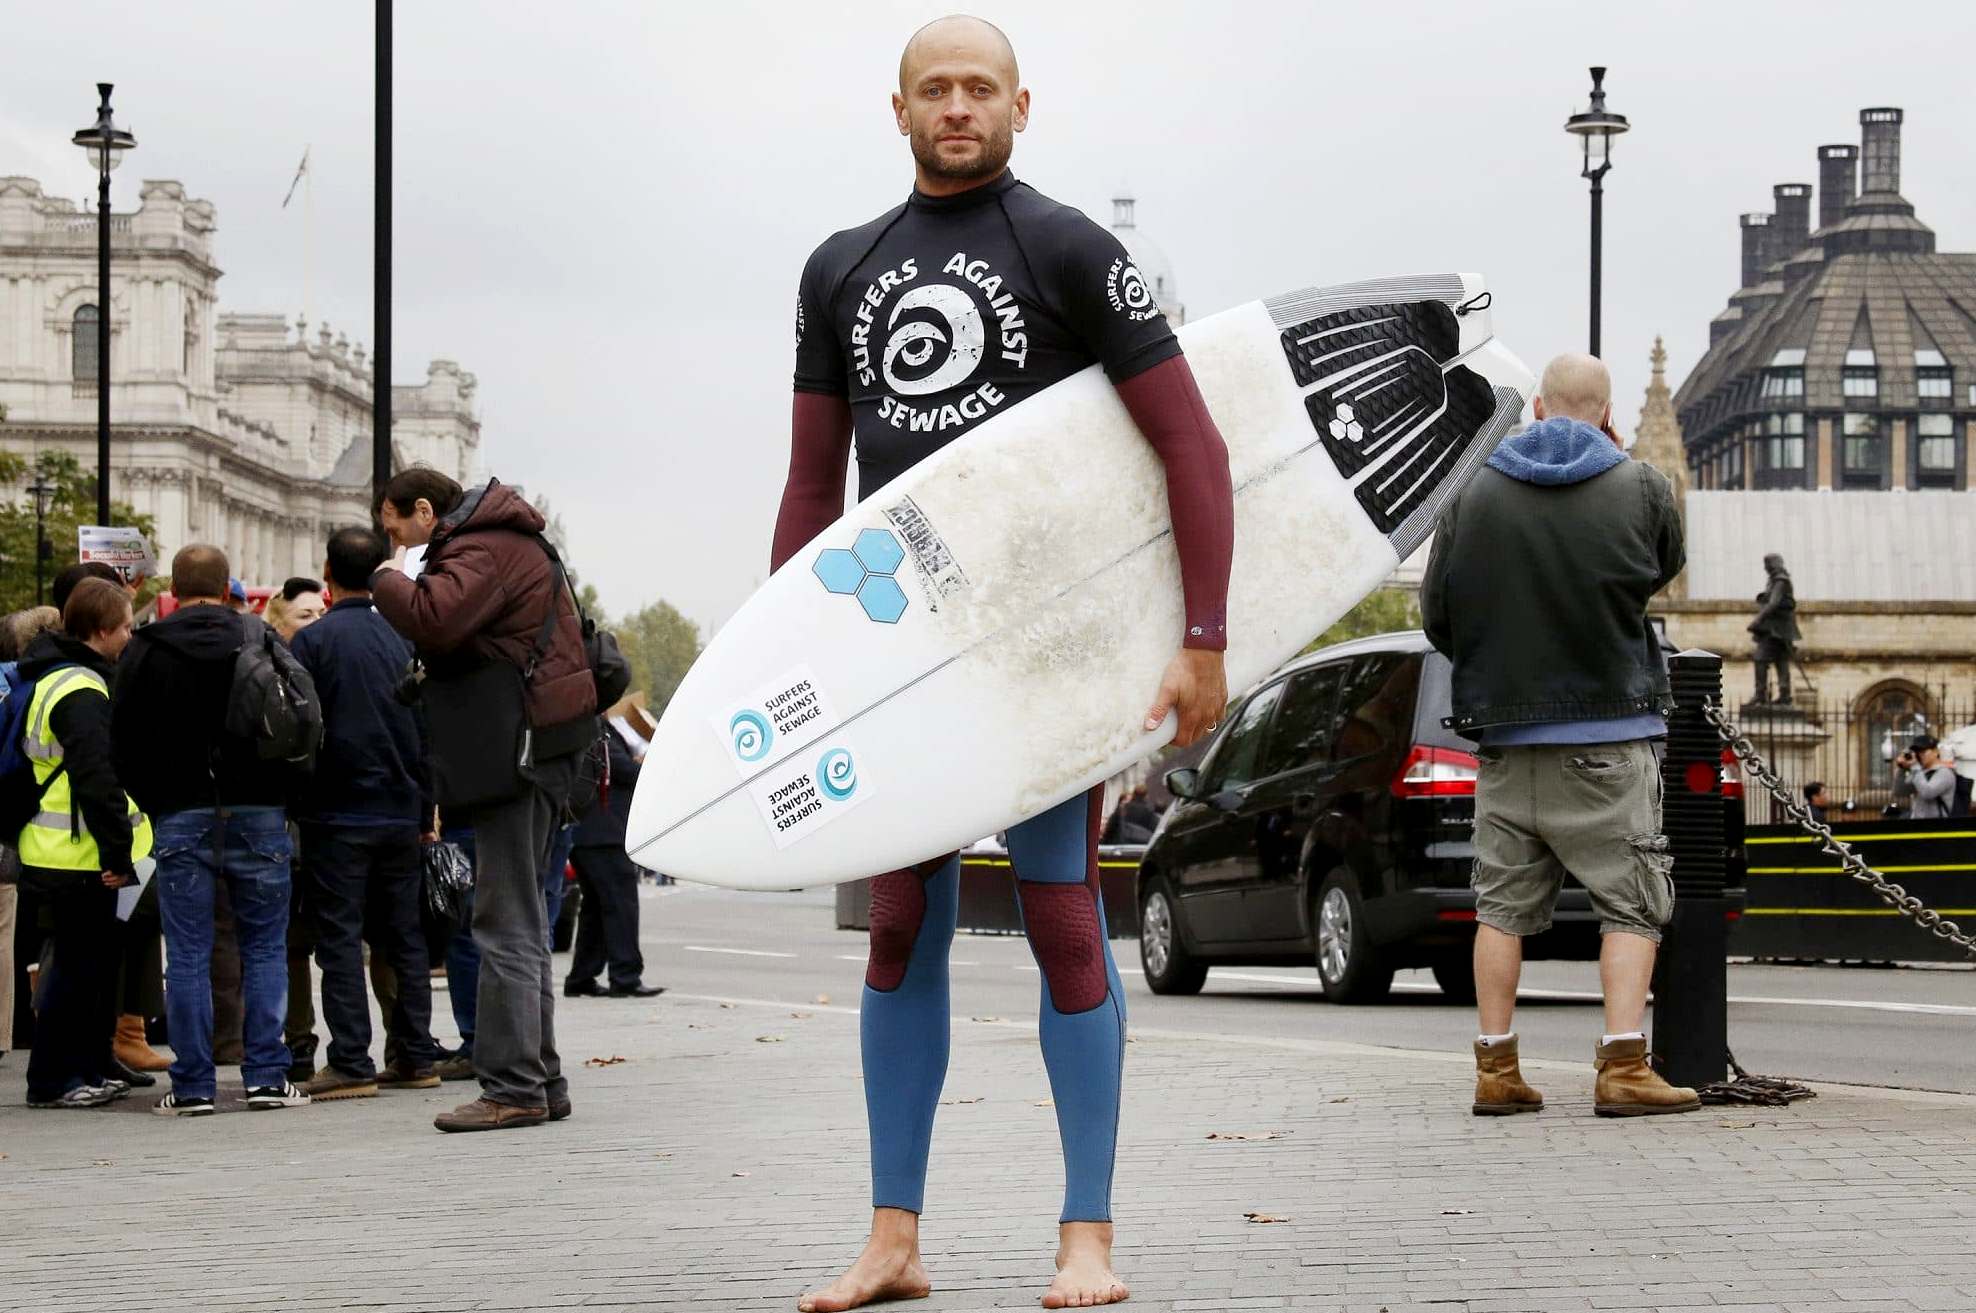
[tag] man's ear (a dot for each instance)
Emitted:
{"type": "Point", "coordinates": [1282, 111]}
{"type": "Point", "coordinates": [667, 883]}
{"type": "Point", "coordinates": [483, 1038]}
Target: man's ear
{"type": "Point", "coordinates": [1537, 408]}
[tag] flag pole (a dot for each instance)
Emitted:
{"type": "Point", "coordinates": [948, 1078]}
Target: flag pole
{"type": "Point", "coordinates": [308, 234]}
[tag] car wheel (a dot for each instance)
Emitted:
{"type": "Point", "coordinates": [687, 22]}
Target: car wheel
{"type": "Point", "coordinates": [1162, 954]}
{"type": "Point", "coordinates": [1454, 972]}
{"type": "Point", "coordinates": [1349, 965]}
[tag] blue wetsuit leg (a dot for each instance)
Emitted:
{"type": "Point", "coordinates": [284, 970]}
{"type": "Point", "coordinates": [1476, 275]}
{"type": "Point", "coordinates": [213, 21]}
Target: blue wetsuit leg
{"type": "Point", "coordinates": [1082, 1018]}
{"type": "Point", "coordinates": [903, 1024]}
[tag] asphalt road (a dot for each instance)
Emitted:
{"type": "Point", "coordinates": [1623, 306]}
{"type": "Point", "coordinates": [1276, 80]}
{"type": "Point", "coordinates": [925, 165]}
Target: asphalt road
{"type": "Point", "coordinates": [1909, 1028]}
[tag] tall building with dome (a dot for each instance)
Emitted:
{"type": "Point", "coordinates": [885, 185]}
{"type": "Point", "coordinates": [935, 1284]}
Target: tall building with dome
{"type": "Point", "coordinates": [242, 430]}
{"type": "Point", "coordinates": [1829, 422]}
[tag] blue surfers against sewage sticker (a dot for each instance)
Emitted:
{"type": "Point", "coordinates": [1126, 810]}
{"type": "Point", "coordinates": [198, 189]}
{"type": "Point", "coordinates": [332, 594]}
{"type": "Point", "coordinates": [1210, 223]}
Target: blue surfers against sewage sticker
{"type": "Point", "coordinates": [807, 792]}
{"type": "Point", "coordinates": [778, 718]}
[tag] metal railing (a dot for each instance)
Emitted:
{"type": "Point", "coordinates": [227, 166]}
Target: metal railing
{"type": "Point", "coordinates": [1847, 746]}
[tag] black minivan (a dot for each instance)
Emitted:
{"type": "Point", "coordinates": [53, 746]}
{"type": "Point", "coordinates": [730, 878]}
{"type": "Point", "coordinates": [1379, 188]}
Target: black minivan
{"type": "Point", "coordinates": [1332, 820]}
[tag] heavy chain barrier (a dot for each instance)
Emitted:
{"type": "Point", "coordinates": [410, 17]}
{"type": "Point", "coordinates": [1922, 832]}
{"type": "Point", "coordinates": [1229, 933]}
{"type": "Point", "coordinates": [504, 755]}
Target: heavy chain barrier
{"type": "Point", "coordinates": [1799, 811]}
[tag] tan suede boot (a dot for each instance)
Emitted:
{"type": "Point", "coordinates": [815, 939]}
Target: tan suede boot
{"type": "Point", "coordinates": [1499, 1087]}
{"type": "Point", "coordinates": [1628, 1087]}
{"type": "Point", "coordinates": [132, 1050]}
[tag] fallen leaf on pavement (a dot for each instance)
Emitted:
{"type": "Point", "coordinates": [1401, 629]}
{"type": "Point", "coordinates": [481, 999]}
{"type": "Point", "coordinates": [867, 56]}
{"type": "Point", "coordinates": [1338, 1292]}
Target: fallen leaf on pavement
{"type": "Point", "coordinates": [737, 1173]}
{"type": "Point", "coordinates": [801, 1016]}
{"type": "Point", "coordinates": [611, 1061]}
{"type": "Point", "coordinates": [1732, 1126]}
{"type": "Point", "coordinates": [694, 1025]}
{"type": "Point", "coordinates": [971, 1018]}
{"type": "Point", "coordinates": [1244, 1135]}
{"type": "Point", "coordinates": [102, 1162]}
{"type": "Point", "coordinates": [976, 1099]}
{"type": "Point", "coordinates": [1264, 1219]}
{"type": "Point", "coordinates": [729, 1006]}
{"type": "Point", "coordinates": [768, 1039]}
{"type": "Point", "coordinates": [1342, 1098]}
{"type": "Point", "coordinates": [823, 998]}
{"type": "Point", "coordinates": [1456, 1212]}
{"type": "Point", "coordinates": [1045, 1103]}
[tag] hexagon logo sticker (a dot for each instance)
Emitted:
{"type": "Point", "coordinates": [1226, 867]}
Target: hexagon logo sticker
{"type": "Point", "coordinates": [865, 570]}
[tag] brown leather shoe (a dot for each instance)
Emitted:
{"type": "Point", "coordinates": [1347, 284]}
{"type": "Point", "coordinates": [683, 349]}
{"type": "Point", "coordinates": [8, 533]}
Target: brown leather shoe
{"type": "Point", "coordinates": [559, 1109]}
{"type": "Point", "coordinates": [398, 1076]}
{"type": "Point", "coordinates": [1499, 1087]}
{"type": "Point", "coordinates": [1628, 1087]}
{"type": "Point", "coordinates": [329, 1084]}
{"type": "Point", "coordinates": [132, 1049]}
{"type": "Point", "coordinates": [487, 1115]}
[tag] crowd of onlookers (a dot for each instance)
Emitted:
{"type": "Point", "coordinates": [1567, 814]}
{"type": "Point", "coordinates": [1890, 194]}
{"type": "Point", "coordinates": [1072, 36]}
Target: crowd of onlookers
{"type": "Point", "coordinates": [197, 809]}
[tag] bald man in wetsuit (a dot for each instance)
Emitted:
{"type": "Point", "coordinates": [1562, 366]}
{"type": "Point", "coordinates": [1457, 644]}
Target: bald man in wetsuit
{"type": "Point", "coordinates": [975, 294]}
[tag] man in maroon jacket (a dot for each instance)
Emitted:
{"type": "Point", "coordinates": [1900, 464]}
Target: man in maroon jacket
{"type": "Point", "coordinates": [484, 593]}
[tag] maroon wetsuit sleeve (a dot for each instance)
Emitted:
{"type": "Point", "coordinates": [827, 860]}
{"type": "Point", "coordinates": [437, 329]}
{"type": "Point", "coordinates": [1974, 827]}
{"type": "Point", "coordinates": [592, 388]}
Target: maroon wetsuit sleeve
{"type": "Point", "coordinates": [819, 455]}
{"type": "Point", "coordinates": [1166, 404]}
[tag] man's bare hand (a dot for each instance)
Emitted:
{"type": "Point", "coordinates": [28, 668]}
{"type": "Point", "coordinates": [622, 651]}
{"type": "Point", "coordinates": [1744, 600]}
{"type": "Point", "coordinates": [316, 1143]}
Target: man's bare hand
{"type": "Point", "coordinates": [1196, 685]}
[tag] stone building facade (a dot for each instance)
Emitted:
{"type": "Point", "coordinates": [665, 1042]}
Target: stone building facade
{"type": "Point", "coordinates": [236, 429]}
{"type": "Point", "coordinates": [1829, 422]}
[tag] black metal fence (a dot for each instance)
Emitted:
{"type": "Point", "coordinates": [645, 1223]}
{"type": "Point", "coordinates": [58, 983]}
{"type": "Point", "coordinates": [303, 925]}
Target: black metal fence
{"type": "Point", "coordinates": [1850, 747]}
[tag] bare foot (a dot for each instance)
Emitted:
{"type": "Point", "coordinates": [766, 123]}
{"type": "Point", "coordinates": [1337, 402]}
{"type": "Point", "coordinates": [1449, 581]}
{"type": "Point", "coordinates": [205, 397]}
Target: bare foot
{"type": "Point", "coordinates": [1084, 1272]}
{"type": "Point", "coordinates": [889, 1268]}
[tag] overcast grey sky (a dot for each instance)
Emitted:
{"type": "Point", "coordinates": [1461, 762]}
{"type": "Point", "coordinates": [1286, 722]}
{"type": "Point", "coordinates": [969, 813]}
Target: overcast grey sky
{"type": "Point", "coordinates": [602, 208]}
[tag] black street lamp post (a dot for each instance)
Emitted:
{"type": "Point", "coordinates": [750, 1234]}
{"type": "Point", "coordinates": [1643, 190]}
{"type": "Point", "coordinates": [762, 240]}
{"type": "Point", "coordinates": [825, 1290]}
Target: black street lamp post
{"type": "Point", "coordinates": [41, 490]}
{"type": "Point", "coordinates": [1595, 129]}
{"type": "Point", "coordinates": [104, 143]}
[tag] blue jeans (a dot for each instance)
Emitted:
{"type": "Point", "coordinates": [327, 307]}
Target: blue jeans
{"type": "Point", "coordinates": [554, 877]}
{"type": "Point", "coordinates": [463, 957]}
{"type": "Point", "coordinates": [248, 848]}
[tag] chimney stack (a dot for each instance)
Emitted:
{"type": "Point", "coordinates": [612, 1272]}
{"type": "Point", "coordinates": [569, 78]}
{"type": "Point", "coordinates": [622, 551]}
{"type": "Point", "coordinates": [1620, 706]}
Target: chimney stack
{"type": "Point", "coordinates": [1880, 158]}
{"type": "Point", "coordinates": [1838, 174]}
{"type": "Point", "coordinates": [1790, 230]}
{"type": "Point", "coordinates": [1756, 247]}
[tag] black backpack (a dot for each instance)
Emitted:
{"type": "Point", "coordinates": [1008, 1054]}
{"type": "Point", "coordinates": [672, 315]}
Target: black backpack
{"type": "Point", "coordinates": [608, 667]}
{"type": "Point", "coordinates": [272, 701]}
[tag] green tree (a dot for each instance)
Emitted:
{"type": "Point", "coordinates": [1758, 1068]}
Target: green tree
{"type": "Point", "coordinates": [1382, 611]}
{"type": "Point", "coordinates": [660, 644]}
{"type": "Point", "coordinates": [72, 504]}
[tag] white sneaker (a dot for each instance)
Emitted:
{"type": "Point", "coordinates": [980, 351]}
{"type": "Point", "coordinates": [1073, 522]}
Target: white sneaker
{"type": "Point", "coordinates": [173, 1105]}
{"type": "Point", "coordinates": [82, 1096]}
{"type": "Point", "coordinates": [284, 1095]}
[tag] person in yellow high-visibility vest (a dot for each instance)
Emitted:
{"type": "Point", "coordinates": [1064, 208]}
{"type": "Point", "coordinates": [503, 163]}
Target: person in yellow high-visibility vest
{"type": "Point", "coordinates": [82, 845]}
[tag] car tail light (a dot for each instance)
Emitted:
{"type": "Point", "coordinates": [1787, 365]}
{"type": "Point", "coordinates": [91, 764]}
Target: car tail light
{"type": "Point", "coordinates": [1732, 775]}
{"type": "Point", "coordinates": [1437, 773]}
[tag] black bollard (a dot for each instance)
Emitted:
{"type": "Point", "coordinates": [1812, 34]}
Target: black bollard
{"type": "Point", "coordinates": [1691, 977]}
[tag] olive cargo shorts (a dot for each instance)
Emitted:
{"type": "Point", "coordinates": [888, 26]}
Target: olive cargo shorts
{"type": "Point", "coordinates": [1590, 809]}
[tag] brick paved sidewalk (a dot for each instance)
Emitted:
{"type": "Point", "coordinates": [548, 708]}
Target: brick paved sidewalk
{"type": "Point", "coordinates": [710, 1170]}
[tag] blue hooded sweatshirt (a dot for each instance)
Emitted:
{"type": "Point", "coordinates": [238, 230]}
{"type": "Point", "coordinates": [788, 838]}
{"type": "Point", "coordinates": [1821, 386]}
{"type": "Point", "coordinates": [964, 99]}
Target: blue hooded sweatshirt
{"type": "Point", "coordinates": [1556, 451]}
{"type": "Point", "coordinates": [1551, 453]}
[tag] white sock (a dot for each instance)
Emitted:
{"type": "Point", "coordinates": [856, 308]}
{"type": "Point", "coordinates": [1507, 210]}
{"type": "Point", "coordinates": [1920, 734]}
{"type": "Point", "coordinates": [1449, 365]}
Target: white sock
{"type": "Point", "coordinates": [1631, 1034]}
{"type": "Point", "coordinates": [1490, 1041]}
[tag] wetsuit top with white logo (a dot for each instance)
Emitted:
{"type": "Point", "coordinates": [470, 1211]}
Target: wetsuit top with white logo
{"type": "Point", "coordinates": [949, 309]}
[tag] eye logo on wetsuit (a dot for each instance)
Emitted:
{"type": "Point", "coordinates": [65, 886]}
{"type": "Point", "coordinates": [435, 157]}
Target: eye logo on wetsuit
{"type": "Point", "coordinates": [752, 735]}
{"type": "Point", "coordinates": [837, 775]}
{"type": "Point", "coordinates": [938, 346]}
{"type": "Point", "coordinates": [1125, 288]}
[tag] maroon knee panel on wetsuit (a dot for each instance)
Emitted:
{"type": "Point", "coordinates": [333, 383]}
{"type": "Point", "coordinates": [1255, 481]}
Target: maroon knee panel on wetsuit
{"type": "Point", "coordinates": [1062, 923]}
{"type": "Point", "coordinates": [898, 907]}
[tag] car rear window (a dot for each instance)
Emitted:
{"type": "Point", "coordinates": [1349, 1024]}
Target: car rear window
{"type": "Point", "coordinates": [1435, 704]}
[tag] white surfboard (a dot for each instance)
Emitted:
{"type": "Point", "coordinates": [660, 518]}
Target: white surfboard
{"type": "Point", "coordinates": [978, 640]}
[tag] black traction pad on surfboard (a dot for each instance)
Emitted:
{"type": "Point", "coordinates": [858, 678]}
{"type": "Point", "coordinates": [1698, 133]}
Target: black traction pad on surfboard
{"type": "Point", "coordinates": [1386, 386]}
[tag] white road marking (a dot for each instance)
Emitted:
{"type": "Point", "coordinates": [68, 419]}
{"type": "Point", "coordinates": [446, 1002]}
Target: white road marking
{"type": "Point", "coordinates": [1310, 982]}
{"type": "Point", "coordinates": [736, 952]}
{"type": "Point", "coordinates": [1592, 996]}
